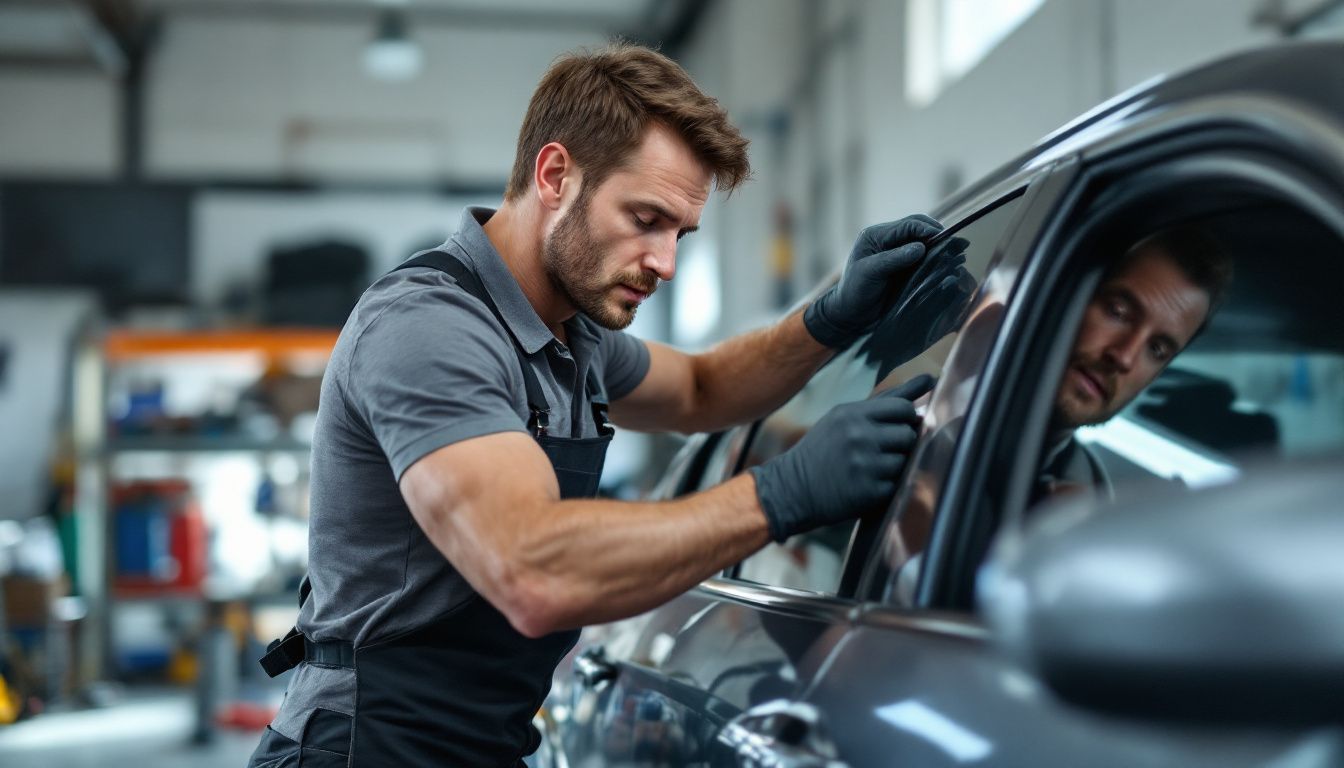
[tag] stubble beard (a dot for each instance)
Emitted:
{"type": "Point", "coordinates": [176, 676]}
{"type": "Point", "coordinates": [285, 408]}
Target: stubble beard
{"type": "Point", "coordinates": [1077, 414]}
{"type": "Point", "coordinates": [573, 263]}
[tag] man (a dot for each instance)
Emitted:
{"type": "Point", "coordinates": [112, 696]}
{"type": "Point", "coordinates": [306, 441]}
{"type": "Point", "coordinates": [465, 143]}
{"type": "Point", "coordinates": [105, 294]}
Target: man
{"type": "Point", "coordinates": [455, 548]}
{"type": "Point", "coordinates": [1150, 305]}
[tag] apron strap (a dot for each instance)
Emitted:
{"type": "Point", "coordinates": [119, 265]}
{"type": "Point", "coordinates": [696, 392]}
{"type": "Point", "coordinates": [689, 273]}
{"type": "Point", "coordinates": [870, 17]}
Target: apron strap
{"type": "Point", "coordinates": [284, 654]}
{"type": "Point", "coordinates": [598, 399]}
{"type": "Point", "coordinates": [540, 420]}
{"type": "Point", "coordinates": [294, 648]}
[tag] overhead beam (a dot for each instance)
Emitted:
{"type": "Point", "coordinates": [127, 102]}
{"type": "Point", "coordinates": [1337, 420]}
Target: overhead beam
{"type": "Point", "coordinates": [106, 30]}
{"type": "Point", "coordinates": [361, 12]}
{"type": "Point", "coordinates": [123, 37]}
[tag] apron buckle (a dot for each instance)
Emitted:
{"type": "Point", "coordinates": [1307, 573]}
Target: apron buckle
{"type": "Point", "coordinates": [540, 422]}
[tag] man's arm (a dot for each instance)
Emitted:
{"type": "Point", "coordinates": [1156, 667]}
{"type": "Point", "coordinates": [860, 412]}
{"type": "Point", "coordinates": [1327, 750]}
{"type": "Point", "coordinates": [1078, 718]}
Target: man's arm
{"type": "Point", "coordinates": [749, 376]}
{"type": "Point", "coordinates": [738, 380]}
{"type": "Point", "coordinates": [491, 505]}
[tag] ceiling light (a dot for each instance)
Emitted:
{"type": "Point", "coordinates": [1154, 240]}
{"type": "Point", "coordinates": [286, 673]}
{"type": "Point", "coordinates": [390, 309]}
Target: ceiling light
{"type": "Point", "coordinates": [392, 55]}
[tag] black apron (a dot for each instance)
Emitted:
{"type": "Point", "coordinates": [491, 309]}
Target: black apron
{"type": "Point", "coordinates": [462, 689]}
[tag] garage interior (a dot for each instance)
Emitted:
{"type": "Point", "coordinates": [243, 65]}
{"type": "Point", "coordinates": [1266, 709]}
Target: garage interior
{"type": "Point", "coordinates": [193, 194]}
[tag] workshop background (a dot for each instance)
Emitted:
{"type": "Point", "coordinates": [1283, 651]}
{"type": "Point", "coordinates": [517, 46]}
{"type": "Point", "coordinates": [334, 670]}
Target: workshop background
{"type": "Point", "coordinates": [193, 193]}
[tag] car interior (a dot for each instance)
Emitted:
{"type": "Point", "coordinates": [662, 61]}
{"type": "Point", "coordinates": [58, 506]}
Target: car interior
{"type": "Point", "coordinates": [1263, 383]}
{"type": "Point", "coordinates": [1266, 379]}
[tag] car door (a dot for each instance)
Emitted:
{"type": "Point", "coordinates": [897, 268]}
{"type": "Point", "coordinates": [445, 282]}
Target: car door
{"type": "Point", "coordinates": [916, 680]}
{"type": "Point", "coordinates": [660, 689]}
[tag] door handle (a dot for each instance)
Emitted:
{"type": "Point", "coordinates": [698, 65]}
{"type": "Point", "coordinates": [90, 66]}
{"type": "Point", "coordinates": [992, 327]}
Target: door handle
{"type": "Point", "coordinates": [780, 734]}
{"type": "Point", "coordinates": [593, 669]}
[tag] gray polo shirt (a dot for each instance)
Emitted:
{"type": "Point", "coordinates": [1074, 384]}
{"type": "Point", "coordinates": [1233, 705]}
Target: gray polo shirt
{"type": "Point", "coordinates": [420, 365]}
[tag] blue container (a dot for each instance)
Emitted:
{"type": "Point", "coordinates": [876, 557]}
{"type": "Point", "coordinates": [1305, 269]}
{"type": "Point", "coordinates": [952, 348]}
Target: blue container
{"type": "Point", "coordinates": [142, 539]}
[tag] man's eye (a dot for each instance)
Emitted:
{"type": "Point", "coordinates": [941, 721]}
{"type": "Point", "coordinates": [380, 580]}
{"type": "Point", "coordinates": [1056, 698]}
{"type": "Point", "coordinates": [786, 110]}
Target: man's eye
{"type": "Point", "coordinates": [1116, 309]}
{"type": "Point", "coordinates": [642, 224]}
{"type": "Point", "coordinates": [1160, 352]}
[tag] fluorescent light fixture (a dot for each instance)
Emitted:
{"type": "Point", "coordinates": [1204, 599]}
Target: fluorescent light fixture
{"type": "Point", "coordinates": [392, 54]}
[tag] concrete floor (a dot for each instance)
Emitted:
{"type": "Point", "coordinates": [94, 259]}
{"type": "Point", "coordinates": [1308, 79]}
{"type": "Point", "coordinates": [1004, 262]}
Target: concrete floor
{"type": "Point", "coordinates": [146, 729]}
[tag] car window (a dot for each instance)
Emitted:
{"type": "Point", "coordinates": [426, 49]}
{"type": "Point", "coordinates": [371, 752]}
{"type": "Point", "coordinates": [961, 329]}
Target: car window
{"type": "Point", "coordinates": [1265, 381]}
{"type": "Point", "coordinates": [685, 467]}
{"type": "Point", "coordinates": [721, 463]}
{"type": "Point", "coordinates": [914, 337]}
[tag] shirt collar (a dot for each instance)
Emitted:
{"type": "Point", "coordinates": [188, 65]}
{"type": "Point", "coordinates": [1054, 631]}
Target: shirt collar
{"type": "Point", "coordinates": [523, 321]}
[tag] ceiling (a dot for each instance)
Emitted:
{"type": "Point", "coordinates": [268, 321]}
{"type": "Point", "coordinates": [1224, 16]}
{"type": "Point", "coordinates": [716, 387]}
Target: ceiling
{"type": "Point", "coordinates": [104, 33]}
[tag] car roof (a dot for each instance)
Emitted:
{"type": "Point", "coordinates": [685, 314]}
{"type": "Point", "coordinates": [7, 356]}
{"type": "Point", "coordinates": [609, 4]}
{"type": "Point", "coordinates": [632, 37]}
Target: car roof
{"type": "Point", "coordinates": [1308, 74]}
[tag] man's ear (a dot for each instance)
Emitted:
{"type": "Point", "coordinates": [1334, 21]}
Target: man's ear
{"type": "Point", "coordinates": [556, 175]}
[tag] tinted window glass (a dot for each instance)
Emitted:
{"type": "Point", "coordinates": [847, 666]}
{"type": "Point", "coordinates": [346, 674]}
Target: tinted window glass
{"type": "Point", "coordinates": [721, 462]}
{"type": "Point", "coordinates": [914, 337]}
{"type": "Point", "coordinates": [683, 471]}
{"type": "Point", "coordinates": [1265, 382]}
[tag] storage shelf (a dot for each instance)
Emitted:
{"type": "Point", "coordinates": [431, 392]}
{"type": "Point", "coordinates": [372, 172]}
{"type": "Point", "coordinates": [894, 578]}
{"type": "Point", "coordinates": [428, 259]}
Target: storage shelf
{"type": "Point", "coordinates": [120, 346]}
{"type": "Point", "coordinates": [126, 594]}
{"type": "Point", "coordinates": [271, 359]}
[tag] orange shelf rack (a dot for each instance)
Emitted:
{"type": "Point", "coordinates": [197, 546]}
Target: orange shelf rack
{"type": "Point", "coordinates": [275, 345]}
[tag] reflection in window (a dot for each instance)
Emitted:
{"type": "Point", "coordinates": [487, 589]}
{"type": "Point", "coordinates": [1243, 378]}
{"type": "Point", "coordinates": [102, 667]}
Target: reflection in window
{"type": "Point", "coordinates": [1264, 381]}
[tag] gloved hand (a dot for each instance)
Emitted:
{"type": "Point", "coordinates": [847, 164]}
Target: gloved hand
{"type": "Point", "coordinates": [880, 255]}
{"type": "Point", "coordinates": [933, 304]}
{"type": "Point", "coordinates": [845, 465]}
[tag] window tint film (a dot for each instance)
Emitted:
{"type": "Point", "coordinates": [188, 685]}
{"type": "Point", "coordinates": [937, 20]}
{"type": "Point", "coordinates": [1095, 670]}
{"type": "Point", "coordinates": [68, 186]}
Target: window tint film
{"type": "Point", "coordinates": [917, 331]}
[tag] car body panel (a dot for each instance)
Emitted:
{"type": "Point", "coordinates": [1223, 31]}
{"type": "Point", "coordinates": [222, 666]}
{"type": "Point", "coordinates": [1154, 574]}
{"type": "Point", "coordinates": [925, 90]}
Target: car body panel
{"type": "Point", "coordinates": [887, 678]}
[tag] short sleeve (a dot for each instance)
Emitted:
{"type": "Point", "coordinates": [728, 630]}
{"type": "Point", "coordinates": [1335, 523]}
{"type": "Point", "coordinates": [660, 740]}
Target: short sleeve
{"type": "Point", "coordinates": [432, 369]}
{"type": "Point", "coordinates": [625, 362]}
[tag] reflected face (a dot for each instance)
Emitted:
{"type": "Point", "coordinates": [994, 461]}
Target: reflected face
{"type": "Point", "coordinates": [1137, 321]}
{"type": "Point", "coordinates": [608, 252]}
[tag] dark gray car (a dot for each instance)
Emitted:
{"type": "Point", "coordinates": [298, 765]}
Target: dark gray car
{"type": "Point", "coordinates": [1185, 609]}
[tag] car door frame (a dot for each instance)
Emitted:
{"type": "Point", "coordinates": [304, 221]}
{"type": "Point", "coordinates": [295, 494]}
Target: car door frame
{"type": "Point", "coordinates": [991, 472]}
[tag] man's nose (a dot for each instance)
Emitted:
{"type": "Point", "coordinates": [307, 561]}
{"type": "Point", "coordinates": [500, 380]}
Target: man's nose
{"type": "Point", "coordinates": [662, 258]}
{"type": "Point", "coordinates": [1125, 351]}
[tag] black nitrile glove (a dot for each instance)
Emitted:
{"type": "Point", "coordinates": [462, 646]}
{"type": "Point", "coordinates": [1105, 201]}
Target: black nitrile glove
{"type": "Point", "coordinates": [873, 271]}
{"type": "Point", "coordinates": [933, 305]}
{"type": "Point", "coordinates": [846, 464]}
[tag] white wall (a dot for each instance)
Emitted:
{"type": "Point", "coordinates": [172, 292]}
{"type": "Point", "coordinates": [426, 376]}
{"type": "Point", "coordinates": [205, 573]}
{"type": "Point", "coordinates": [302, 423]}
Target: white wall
{"type": "Point", "coordinates": [282, 99]}
{"type": "Point", "coordinates": [232, 232]}
{"type": "Point", "coordinates": [58, 124]}
{"type": "Point", "coordinates": [243, 97]}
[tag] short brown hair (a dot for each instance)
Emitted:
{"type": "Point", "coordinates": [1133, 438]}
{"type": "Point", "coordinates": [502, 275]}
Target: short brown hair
{"type": "Point", "coordinates": [599, 103]}
{"type": "Point", "coordinates": [1195, 252]}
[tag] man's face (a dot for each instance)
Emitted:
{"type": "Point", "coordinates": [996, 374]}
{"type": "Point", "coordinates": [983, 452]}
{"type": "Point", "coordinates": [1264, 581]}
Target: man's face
{"type": "Point", "coordinates": [607, 253]}
{"type": "Point", "coordinates": [1135, 324]}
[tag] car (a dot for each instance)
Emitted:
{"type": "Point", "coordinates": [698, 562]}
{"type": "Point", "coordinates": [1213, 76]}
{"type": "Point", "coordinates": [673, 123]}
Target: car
{"type": "Point", "coordinates": [1191, 613]}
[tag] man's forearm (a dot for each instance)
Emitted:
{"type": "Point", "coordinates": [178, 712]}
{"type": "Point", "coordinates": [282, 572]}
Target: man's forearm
{"type": "Point", "coordinates": [591, 561]}
{"type": "Point", "coordinates": [752, 374]}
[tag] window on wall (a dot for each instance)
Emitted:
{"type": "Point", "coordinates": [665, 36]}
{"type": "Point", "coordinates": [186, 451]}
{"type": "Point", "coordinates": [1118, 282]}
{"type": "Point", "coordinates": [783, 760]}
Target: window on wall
{"type": "Point", "coordinates": [945, 39]}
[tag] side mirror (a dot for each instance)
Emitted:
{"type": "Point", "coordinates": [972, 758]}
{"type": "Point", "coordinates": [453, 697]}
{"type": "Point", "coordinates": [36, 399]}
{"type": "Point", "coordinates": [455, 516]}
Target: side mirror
{"type": "Point", "coordinates": [1223, 606]}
